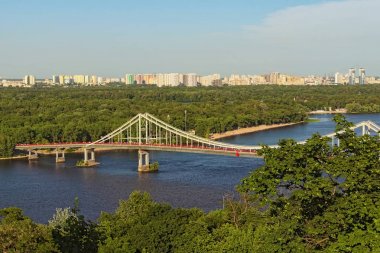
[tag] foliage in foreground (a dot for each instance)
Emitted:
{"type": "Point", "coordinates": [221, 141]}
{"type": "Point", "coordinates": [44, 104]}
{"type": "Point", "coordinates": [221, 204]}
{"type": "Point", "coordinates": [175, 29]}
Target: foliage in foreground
{"type": "Point", "coordinates": [306, 198]}
{"type": "Point", "coordinates": [318, 198]}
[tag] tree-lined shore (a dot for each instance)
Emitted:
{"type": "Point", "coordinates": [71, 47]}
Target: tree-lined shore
{"type": "Point", "coordinates": [43, 115]}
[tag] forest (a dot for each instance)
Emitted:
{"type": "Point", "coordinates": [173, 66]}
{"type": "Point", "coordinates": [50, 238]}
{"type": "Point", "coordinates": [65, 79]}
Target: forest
{"type": "Point", "coordinates": [59, 114]}
{"type": "Point", "coordinates": [306, 198]}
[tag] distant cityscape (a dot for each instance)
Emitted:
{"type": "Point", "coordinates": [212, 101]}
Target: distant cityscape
{"type": "Point", "coordinates": [352, 77]}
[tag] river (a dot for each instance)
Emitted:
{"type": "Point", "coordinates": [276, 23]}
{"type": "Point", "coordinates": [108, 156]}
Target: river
{"type": "Point", "coordinates": [184, 180]}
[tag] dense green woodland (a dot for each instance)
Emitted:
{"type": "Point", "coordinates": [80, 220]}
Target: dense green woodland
{"type": "Point", "coordinates": [42, 115]}
{"type": "Point", "coordinates": [306, 198]}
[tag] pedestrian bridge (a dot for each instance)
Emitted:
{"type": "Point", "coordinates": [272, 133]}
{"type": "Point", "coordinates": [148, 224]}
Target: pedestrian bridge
{"type": "Point", "coordinates": [144, 132]}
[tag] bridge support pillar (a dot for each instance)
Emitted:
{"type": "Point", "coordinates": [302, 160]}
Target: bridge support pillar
{"type": "Point", "coordinates": [92, 151]}
{"type": "Point", "coordinates": [86, 161]}
{"type": "Point", "coordinates": [33, 155]}
{"type": "Point", "coordinates": [85, 155]}
{"type": "Point", "coordinates": [143, 161]}
{"type": "Point", "coordinates": [92, 155]}
{"type": "Point", "coordinates": [60, 159]}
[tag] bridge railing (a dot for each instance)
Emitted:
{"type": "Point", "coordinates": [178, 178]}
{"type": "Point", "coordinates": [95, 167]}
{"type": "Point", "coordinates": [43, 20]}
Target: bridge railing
{"type": "Point", "coordinates": [137, 121]}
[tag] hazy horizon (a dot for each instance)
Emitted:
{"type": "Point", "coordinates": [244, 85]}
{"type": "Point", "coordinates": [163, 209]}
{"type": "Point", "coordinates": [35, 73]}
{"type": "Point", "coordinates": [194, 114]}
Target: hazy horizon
{"type": "Point", "coordinates": [305, 37]}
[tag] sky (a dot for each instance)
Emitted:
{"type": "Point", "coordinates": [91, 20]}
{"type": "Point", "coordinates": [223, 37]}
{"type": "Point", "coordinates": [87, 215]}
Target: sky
{"type": "Point", "coordinates": [115, 37]}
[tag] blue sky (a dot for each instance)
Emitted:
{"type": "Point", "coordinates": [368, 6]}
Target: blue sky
{"type": "Point", "coordinates": [114, 37]}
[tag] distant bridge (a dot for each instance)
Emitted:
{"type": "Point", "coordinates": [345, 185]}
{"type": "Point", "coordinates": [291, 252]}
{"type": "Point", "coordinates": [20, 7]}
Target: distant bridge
{"type": "Point", "coordinates": [144, 132]}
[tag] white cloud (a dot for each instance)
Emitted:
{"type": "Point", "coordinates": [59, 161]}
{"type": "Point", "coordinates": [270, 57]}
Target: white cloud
{"type": "Point", "coordinates": [318, 38]}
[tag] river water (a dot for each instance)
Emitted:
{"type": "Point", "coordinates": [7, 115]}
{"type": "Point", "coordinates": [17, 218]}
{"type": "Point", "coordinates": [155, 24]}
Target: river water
{"type": "Point", "coordinates": [184, 180]}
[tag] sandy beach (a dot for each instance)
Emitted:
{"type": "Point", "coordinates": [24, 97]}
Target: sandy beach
{"type": "Point", "coordinates": [329, 112]}
{"type": "Point", "coordinates": [250, 130]}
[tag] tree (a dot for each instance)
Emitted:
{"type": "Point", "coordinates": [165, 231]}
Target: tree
{"type": "Point", "coordinates": [7, 145]}
{"type": "Point", "coordinates": [18, 233]}
{"type": "Point", "coordinates": [318, 197]}
{"type": "Point", "coordinates": [141, 225]}
{"type": "Point", "coordinates": [72, 233]}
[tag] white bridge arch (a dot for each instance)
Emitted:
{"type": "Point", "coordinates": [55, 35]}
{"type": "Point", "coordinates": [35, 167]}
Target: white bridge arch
{"type": "Point", "coordinates": [145, 129]}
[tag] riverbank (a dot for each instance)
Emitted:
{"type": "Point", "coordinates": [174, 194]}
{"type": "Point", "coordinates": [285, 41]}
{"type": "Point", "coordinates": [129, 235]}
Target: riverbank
{"type": "Point", "coordinates": [249, 130]}
{"type": "Point", "coordinates": [14, 158]}
{"type": "Point", "coordinates": [343, 110]}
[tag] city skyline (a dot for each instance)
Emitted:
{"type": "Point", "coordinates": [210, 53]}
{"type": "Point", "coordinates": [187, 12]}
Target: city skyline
{"type": "Point", "coordinates": [330, 73]}
{"type": "Point", "coordinates": [352, 77]}
{"type": "Point", "coordinates": [299, 37]}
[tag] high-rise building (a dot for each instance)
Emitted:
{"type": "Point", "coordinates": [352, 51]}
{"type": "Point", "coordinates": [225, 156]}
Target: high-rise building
{"type": "Point", "coordinates": [26, 80]}
{"type": "Point", "coordinates": [210, 80]}
{"type": "Point", "coordinates": [181, 79]}
{"type": "Point", "coordinates": [139, 78]}
{"type": "Point", "coordinates": [149, 79]}
{"type": "Point", "coordinates": [173, 79]}
{"type": "Point", "coordinates": [274, 78]}
{"type": "Point", "coordinates": [292, 80]}
{"type": "Point", "coordinates": [351, 76]}
{"type": "Point", "coordinates": [129, 79]}
{"type": "Point", "coordinates": [29, 80]}
{"type": "Point", "coordinates": [160, 79]}
{"type": "Point", "coordinates": [86, 79]}
{"type": "Point", "coordinates": [68, 80]}
{"type": "Point", "coordinates": [362, 77]}
{"type": "Point", "coordinates": [258, 79]}
{"type": "Point", "coordinates": [61, 79]}
{"type": "Point", "coordinates": [94, 80]}
{"type": "Point", "coordinates": [338, 79]}
{"type": "Point", "coordinates": [190, 79]}
{"type": "Point", "coordinates": [55, 79]}
{"type": "Point", "coordinates": [79, 79]}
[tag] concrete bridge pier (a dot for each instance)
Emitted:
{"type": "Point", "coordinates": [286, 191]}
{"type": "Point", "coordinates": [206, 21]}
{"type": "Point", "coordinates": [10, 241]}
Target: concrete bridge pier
{"type": "Point", "coordinates": [60, 159]}
{"type": "Point", "coordinates": [143, 161]}
{"type": "Point", "coordinates": [92, 151]}
{"type": "Point", "coordinates": [92, 154]}
{"type": "Point", "coordinates": [85, 159]}
{"type": "Point", "coordinates": [89, 161]}
{"type": "Point", "coordinates": [33, 155]}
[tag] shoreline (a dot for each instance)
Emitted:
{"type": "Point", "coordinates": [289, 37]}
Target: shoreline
{"type": "Point", "coordinates": [343, 111]}
{"type": "Point", "coordinates": [14, 158]}
{"type": "Point", "coordinates": [249, 130]}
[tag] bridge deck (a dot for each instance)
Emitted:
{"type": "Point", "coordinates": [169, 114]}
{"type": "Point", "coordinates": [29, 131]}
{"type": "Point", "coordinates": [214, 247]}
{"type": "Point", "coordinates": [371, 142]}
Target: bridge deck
{"type": "Point", "coordinates": [150, 147]}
